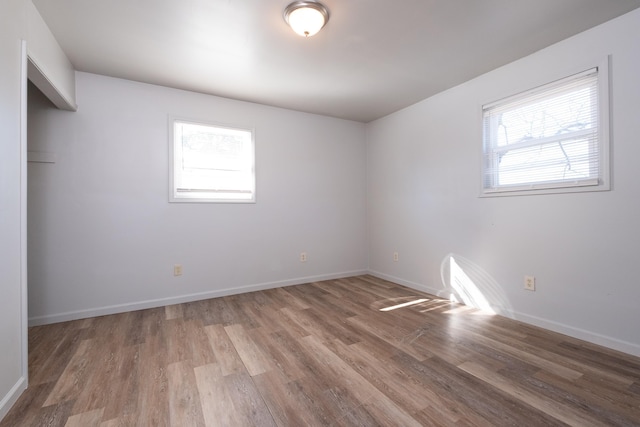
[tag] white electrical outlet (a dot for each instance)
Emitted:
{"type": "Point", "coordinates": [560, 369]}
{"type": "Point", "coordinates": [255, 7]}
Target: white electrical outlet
{"type": "Point", "coordinates": [396, 257]}
{"type": "Point", "coordinates": [177, 270]}
{"type": "Point", "coordinates": [303, 257]}
{"type": "Point", "coordinates": [530, 283]}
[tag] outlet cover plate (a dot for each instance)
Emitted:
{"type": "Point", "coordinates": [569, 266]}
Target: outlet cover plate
{"type": "Point", "coordinates": [177, 270]}
{"type": "Point", "coordinates": [530, 283]}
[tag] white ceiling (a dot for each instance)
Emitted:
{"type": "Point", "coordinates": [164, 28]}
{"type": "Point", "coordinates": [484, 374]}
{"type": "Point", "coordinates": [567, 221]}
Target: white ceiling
{"type": "Point", "coordinates": [374, 57]}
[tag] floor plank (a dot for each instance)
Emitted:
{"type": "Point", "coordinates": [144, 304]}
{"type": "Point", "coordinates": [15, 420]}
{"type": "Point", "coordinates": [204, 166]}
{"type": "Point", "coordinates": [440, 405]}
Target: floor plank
{"type": "Point", "coordinates": [185, 408]}
{"type": "Point", "coordinates": [323, 353]}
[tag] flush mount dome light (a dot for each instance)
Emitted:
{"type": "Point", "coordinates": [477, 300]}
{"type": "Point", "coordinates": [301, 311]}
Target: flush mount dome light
{"type": "Point", "coordinates": [306, 17]}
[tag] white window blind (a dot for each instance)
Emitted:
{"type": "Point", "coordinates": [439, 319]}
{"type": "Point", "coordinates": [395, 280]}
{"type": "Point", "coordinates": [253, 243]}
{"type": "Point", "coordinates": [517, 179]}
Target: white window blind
{"type": "Point", "coordinates": [211, 163]}
{"type": "Point", "coordinates": [545, 138]}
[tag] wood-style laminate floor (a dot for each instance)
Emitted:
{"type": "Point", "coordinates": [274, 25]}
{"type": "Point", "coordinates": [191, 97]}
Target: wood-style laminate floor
{"type": "Point", "coordinates": [321, 354]}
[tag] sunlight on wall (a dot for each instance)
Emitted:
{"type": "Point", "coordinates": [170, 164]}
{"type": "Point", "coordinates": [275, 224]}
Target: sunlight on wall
{"type": "Point", "coordinates": [469, 284]}
{"type": "Point", "coordinates": [466, 289]}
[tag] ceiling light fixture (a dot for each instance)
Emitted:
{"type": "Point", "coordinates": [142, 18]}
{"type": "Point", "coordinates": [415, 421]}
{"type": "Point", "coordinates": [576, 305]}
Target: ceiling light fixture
{"type": "Point", "coordinates": [306, 17]}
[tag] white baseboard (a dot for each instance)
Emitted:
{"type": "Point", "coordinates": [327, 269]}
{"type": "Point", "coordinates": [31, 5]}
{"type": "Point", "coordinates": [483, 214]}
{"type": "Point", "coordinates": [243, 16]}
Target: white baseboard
{"type": "Point", "coordinates": [141, 305]}
{"type": "Point", "coordinates": [408, 284]}
{"type": "Point", "coordinates": [592, 337]}
{"type": "Point", "coordinates": [12, 396]}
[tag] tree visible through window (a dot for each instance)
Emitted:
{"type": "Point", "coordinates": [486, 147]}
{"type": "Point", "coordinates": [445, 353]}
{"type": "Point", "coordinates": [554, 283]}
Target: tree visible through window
{"type": "Point", "coordinates": [550, 137]}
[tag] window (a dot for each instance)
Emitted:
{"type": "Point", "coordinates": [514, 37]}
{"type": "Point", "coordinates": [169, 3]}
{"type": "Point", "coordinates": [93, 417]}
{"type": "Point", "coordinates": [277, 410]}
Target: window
{"type": "Point", "coordinates": [550, 139]}
{"type": "Point", "coordinates": [211, 163]}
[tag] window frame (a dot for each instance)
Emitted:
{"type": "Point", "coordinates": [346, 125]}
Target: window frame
{"type": "Point", "coordinates": [207, 196]}
{"type": "Point", "coordinates": [600, 183]}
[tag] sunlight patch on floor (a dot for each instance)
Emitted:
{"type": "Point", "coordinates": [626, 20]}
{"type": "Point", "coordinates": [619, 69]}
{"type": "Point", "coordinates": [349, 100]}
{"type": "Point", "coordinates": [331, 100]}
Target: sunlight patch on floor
{"type": "Point", "coordinates": [404, 304]}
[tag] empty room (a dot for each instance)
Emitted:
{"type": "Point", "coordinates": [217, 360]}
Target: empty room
{"type": "Point", "coordinates": [289, 213]}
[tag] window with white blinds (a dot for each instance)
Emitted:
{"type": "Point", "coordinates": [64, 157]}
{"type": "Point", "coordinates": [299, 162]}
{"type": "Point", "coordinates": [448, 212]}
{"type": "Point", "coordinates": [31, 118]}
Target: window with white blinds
{"type": "Point", "coordinates": [549, 138]}
{"type": "Point", "coordinates": [211, 163]}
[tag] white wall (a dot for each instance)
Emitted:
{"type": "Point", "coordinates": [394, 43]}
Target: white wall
{"type": "Point", "coordinates": [424, 181]}
{"type": "Point", "coordinates": [49, 67]}
{"type": "Point", "coordinates": [103, 237]}
{"type": "Point", "coordinates": [12, 333]}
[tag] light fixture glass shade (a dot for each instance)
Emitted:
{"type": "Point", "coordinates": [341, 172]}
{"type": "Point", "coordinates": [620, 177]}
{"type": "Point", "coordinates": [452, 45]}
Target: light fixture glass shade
{"type": "Point", "coordinates": [306, 17]}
